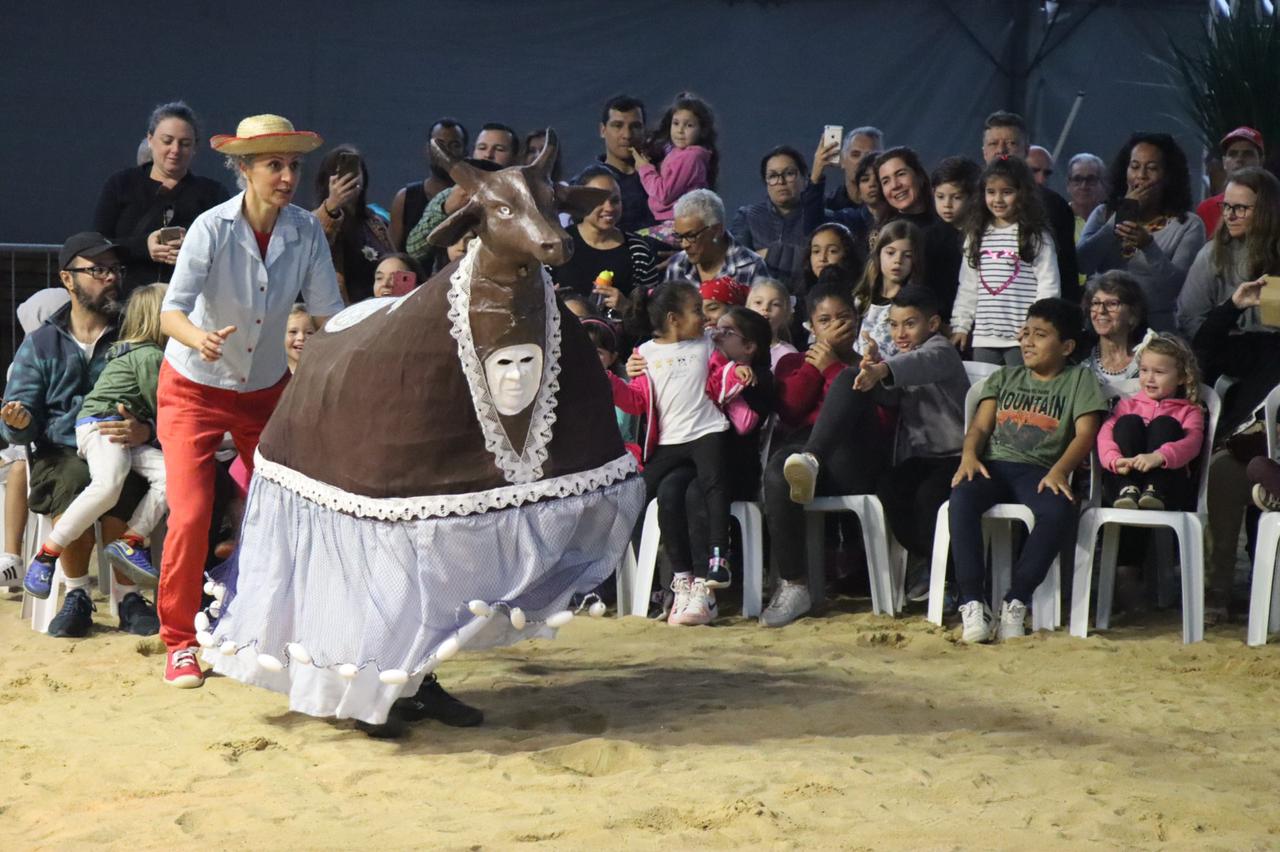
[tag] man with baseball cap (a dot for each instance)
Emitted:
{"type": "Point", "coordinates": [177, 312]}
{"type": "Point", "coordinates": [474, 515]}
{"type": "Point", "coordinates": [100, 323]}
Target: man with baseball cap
{"type": "Point", "coordinates": [1240, 148]}
{"type": "Point", "coordinates": [56, 365]}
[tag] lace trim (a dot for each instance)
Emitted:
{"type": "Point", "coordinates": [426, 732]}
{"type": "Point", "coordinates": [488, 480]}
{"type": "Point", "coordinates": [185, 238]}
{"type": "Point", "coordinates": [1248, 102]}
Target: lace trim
{"type": "Point", "coordinates": [442, 505]}
{"type": "Point", "coordinates": [525, 465]}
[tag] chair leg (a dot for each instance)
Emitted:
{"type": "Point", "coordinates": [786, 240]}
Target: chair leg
{"type": "Point", "coordinates": [1045, 599]}
{"type": "Point", "coordinates": [646, 559]}
{"type": "Point", "coordinates": [938, 565]}
{"type": "Point", "coordinates": [1107, 575]}
{"type": "Point", "coordinates": [752, 523]}
{"type": "Point", "coordinates": [624, 579]}
{"type": "Point", "coordinates": [1165, 574]}
{"type": "Point", "coordinates": [1082, 581]}
{"type": "Point", "coordinates": [1273, 623]}
{"type": "Point", "coordinates": [1262, 610]}
{"type": "Point", "coordinates": [814, 539]}
{"type": "Point", "coordinates": [1191, 550]}
{"type": "Point", "coordinates": [875, 537]}
{"type": "Point", "coordinates": [1001, 549]}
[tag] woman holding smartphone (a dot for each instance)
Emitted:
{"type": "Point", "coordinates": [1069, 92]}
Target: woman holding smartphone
{"type": "Point", "coordinates": [145, 210]}
{"type": "Point", "coordinates": [1146, 227]}
{"type": "Point", "coordinates": [358, 234]}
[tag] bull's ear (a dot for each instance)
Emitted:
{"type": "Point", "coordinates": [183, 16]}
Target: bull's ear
{"type": "Point", "coordinates": [578, 201]}
{"type": "Point", "coordinates": [541, 166]}
{"type": "Point", "coordinates": [464, 219]}
{"type": "Point", "coordinates": [463, 173]}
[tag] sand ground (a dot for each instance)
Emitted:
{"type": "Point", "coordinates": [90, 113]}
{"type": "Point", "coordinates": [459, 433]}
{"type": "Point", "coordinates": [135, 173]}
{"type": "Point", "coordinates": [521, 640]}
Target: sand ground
{"type": "Point", "coordinates": [845, 731]}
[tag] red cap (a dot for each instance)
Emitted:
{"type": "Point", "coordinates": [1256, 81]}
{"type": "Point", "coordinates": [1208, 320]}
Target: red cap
{"type": "Point", "coordinates": [1248, 134]}
{"type": "Point", "coordinates": [725, 290]}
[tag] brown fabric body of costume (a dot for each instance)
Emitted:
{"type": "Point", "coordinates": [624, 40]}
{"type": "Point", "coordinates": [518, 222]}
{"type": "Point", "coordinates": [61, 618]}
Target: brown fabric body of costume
{"type": "Point", "coordinates": [383, 409]}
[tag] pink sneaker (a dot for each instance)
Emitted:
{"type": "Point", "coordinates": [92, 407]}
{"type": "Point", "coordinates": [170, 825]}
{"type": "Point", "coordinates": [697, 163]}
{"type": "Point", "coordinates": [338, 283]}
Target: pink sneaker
{"type": "Point", "coordinates": [701, 608]}
{"type": "Point", "coordinates": [183, 670]}
{"type": "Point", "coordinates": [681, 586]}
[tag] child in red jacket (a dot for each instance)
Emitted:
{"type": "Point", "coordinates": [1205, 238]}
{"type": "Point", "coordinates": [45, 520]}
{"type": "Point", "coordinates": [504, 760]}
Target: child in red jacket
{"type": "Point", "coordinates": [1148, 444]}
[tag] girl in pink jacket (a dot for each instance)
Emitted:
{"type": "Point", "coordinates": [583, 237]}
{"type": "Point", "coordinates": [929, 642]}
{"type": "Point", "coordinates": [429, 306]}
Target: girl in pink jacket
{"type": "Point", "coordinates": [684, 384]}
{"type": "Point", "coordinates": [1148, 444]}
{"type": "Point", "coordinates": [682, 157]}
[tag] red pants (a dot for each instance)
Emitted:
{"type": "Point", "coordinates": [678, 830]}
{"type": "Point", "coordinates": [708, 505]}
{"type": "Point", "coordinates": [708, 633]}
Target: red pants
{"type": "Point", "coordinates": [190, 423]}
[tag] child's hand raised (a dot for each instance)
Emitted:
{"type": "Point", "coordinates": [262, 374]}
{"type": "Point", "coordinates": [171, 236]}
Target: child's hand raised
{"type": "Point", "coordinates": [636, 365]}
{"type": "Point", "coordinates": [1249, 294]}
{"type": "Point", "coordinates": [15, 415]}
{"type": "Point", "coordinates": [1057, 483]}
{"type": "Point", "coordinates": [1148, 461]}
{"type": "Point", "coordinates": [745, 374]}
{"type": "Point", "coordinates": [970, 467]}
{"type": "Point", "coordinates": [640, 158]}
{"type": "Point", "coordinates": [870, 351]}
{"type": "Point", "coordinates": [870, 375]}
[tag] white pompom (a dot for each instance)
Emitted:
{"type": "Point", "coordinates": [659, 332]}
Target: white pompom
{"type": "Point", "coordinates": [298, 654]}
{"type": "Point", "coordinates": [205, 638]}
{"type": "Point", "coordinates": [270, 663]}
{"type": "Point", "coordinates": [202, 621]}
{"type": "Point", "coordinates": [228, 648]}
{"type": "Point", "coordinates": [348, 671]}
{"type": "Point", "coordinates": [559, 619]}
{"type": "Point", "coordinates": [208, 587]}
{"type": "Point", "coordinates": [480, 609]}
{"type": "Point", "coordinates": [448, 648]}
{"type": "Point", "coordinates": [517, 617]}
{"type": "Point", "coordinates": [597, 609]}
{"type": "Point", "coordinates": [219, 591]}
{"type": "Point", "coordinates": [215, 609]}
{"type": "Point", "coordinates": [394, 677]}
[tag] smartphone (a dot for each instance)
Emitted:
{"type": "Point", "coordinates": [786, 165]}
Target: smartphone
{"type": "Point", "coordinates": [403, 281]}
{"type": "Point", "coordinates": [170, 235]}
{"type": "Point", "coordinates": [1269, 306]}
{"type": "Point", "coordinates": [1127, 210]}
{"type": "Point", "coordinates": [348, 164]}
{"type": "Point", "coordinates": [832, 134]}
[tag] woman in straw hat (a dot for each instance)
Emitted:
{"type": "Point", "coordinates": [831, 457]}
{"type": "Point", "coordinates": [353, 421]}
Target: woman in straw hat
{"type": "Point", "coordinates": [239, 272]}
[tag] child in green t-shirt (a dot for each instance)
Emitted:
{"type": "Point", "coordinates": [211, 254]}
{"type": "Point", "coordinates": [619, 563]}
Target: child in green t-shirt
{"type": "Point", "coordinates": [1034, 425]}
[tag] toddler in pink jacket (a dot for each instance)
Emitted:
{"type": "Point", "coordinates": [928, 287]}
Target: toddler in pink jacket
{"type": "Point", "coordinates": [685, 149]}
{"type": "Point", "coordinates": [1148, 444]}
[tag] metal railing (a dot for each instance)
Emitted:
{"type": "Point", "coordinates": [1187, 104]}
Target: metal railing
{"type": "Point", "coordinates": [30, 267]}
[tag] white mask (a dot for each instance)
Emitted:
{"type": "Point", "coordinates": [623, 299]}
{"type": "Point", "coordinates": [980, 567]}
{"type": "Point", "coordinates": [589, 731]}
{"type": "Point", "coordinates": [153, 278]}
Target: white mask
{"type": "Point", "coordinates": [514, 374]}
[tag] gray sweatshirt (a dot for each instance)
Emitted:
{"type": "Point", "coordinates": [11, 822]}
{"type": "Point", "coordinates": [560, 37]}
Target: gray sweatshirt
{"type": "Point", "coordinates": [1160, 268]}
{"type": "Point", "coordinates": [1207, 287]}
{"type": "Point", "coordinates": [928, 385]}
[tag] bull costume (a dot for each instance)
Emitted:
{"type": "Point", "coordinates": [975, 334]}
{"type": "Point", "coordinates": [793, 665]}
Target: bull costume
{"type": "Point", "coordinates": [443, 471]}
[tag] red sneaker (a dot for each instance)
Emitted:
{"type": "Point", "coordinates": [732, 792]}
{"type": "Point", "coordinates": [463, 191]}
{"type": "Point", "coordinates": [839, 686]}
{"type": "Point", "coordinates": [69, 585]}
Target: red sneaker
{"type": "Point", "coordinates": [182, 670]}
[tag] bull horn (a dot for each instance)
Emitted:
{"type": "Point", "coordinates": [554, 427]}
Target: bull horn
{"type": "Point", "coordinates": [547, 156]}
{"type": "Point", "coordinates": [463, 173]}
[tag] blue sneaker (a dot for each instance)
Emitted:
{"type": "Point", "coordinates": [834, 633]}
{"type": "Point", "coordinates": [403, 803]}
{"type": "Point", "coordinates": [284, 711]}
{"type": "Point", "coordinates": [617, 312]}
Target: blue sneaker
{"type": "Point", "coordinates": [133, 561]}
{"type": "Point", "coordinates": [39, 579]}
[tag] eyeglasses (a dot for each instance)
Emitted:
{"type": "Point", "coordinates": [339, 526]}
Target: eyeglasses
{"type": "Point", "coordinates": [781, 177]}
{"type": "Point", "coordinates": [100, 273]}
{"type": "Point", "coordinates": [689, 237]}
{"type": "Point", "coordinates": [725, 331]}
{"type": "Point", "coordinates": [1105, 306]}
{"type": "Point", "coordinates": [1045, 172]}
{"type": "Point", "coordinates": [1083, 180]}
{"type": "Point", "coordinates": [1235, 211]}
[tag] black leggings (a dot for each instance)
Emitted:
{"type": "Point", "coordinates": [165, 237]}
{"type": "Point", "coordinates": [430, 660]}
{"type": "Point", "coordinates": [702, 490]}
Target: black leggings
{"type": "Point", "coordinates": [1133, 437]}
{"type": "Point", "coordinates": [706, 456]}
{"type": "Point", "coordinates": [912, 493]}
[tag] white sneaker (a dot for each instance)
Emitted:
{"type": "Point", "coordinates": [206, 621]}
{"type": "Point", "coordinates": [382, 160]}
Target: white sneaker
{"type": "Point", "coordinates": [1013, 616]}
{"type": "Point", "coordinates": [977, 622]}
{"type": "Point", "coordinates": [790, 601]}
{"type": "Point", "coordinates": [801, 472]}
{"type": "Point", "coordinates": [701, 608]}
{"type": "Point", "coordinates": [682, 586]}
{"type": "Point", "coordinates": [10, 570]}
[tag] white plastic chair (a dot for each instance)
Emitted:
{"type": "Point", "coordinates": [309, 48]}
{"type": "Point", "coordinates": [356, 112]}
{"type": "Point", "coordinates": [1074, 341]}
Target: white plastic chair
{"type": "Point", "coordinates": [997, 533]}
{"type": "Point", "coordinates": [1264, 596]}
{"type": "Point", "coordinates": [1187, 526]}
{"type": "Point", "coordinates": [635, 576]}
{"type": "Point", "coordinates": [978, 370]}
{"type": "Point", "coordinates": [886, 559]}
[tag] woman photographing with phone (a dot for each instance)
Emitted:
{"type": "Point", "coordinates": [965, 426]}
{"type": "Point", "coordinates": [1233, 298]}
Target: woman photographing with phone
{"type": "Point", "coordinates": [145, 210]}
{"type": "Point", "coordinates": [1146, 227]}
{"type": "Point", "coordinates": [358, 235]}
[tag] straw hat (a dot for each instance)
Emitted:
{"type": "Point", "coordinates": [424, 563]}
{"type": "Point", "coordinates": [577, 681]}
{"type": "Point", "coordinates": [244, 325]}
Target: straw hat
{"type": "Point", "coordinates": [266, 134]}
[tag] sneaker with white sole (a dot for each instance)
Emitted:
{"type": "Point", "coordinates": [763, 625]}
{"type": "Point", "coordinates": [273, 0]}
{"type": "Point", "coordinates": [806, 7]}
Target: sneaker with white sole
{"type": "Point", "coordinates": [801, 472]}
{"type": "Point", "coordinates": [1262, 498]}
{"type": "Point", "coordinates": [681, 586]}
{"type": "Point", "coordinates": [182, 669]}
{"type": "Point", "coordinates": [701, 608]}
{"type": "Point", "coordinates": [10, 570]}
{"type": "Point", "coordinates": [1013, 620]}
{"type": "Point", "coordinates": [976, 617]}
{"type": "Point", "coordinates": [790, 601]}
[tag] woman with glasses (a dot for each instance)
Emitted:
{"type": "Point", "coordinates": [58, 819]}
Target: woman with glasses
{"type": "Point", "coordinates": [778, 227]}
{"type": "Point", "coordinates": [145, 210]}
{"type": "Point", "coordinates": [1146, 226]}
{"type": "Point", "coordinates": [1117, 313]}
{"type": "Point", "coordinates": [707, 250]}
{"type": "Point", "coordinates": [1086, 187]}
{"type": "Point", "coordinates": [1245, 246]}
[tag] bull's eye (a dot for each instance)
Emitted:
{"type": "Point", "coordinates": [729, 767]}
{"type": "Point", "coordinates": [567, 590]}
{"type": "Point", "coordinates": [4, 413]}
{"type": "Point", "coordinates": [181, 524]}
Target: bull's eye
{"type": "Point", "coordinates": [504, 211]}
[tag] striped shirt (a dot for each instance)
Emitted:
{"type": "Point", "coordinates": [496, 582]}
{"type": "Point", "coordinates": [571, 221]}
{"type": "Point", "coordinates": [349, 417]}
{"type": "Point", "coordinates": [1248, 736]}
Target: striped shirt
{"type": "Point", "coordinates": [992, 301]}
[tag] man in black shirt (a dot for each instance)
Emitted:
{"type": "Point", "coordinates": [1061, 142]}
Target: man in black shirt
{"type": "Point", "coordinates": [621, 128]}
{"type": "Point", "coordinates": [1005, 135]}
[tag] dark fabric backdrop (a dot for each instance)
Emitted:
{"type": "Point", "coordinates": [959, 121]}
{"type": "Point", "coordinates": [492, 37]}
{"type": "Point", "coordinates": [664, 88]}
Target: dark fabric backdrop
{"type": "Point", "coordinates": [81, 78]}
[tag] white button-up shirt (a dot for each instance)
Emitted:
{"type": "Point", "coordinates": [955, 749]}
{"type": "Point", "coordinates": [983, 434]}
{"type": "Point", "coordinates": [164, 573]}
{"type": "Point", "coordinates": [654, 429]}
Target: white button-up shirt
{"type": "Point", "coordinates": [221, 279]}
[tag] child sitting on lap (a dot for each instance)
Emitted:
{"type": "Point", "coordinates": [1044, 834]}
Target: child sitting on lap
{"type": "Point", "coordinates": [1033, 427]}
